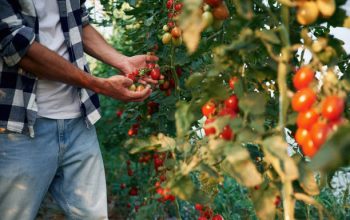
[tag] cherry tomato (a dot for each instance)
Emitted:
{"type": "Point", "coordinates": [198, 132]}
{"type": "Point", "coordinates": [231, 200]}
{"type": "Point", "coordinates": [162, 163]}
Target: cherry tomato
{"type": "Point", "coordinates": [217, 217]}
{"type": "Point", "coordinates": [133, 191]}
{"type": "Point", "coordinates": [307, 119]}
{"type": "Point", "coordinates": [176, 32]}
{"type": "Point", "coordinates": [277, 200]}
{"type": "Point", "coordinates": [155, 74]}
{"type": "Point", "coordinates": [166, 38]}
{"type": "Point", "coordinates": [307, 12]}
{"type": "Point", "coordinates": [208, 109]}
{"type": "Point", "coordinates": [122, 185]}
{"type": "Point", "coordinates": [232, 103]}
{"type": "Point", "coordinates": [221, 12]}
{"type": "Point", "coordinates": [209, 130]}
{"type": "Point", "coordinates": [131, 76]}
{"type": "Point", "coordinates": [151, 65]}
{"type": "Point", "coordinates": [119, 113]}
{"type": "Point", "coordinates": [228, 111]}
{"type": "Point", "coordinates": [202, 218]}
{"type": "Point", "coordinates": [130, 172]}
{"type": "Point", "coordinates": [132, 132]}
{"type": "Point", "coordinates": [171, 24]}
{"type": "Point", "coordinates": [232, 82]}
{"type": "Point", "coordinates": [309, 148]}
{"type": "Point", "coordinates": [178, 6]}
{"type": "Point", "coordinates": [208, 19]}
{"type": "Point", "coordinates": [301, 135]}
{"type": "Point", "coordinates": [198, 207]}
{"type": "Point", "coordinates": [332, 107]}
{"type": "Point", "coordinates": [303, 100]}
{"type": "Point", "coordinates": [319, 133]}
{"type": "Point", "coordinates": [227, 133]}
{"type": "Point", "coordinates": [303, 77]}
{"type": "Point", "coordinates": [169, 4]}
{"type": "Point", "coordinates": [213, 3]}
{"type": "Point", "coordinates": [139, 88]}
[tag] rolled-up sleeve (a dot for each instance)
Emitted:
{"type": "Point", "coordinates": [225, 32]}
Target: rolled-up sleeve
{"type": "Point", "coordinates": [85, 19]}
{"type": "Point", "coordinates": [15, 38]}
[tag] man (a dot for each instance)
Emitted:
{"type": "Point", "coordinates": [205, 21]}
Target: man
{"type": "Point", "coordinates": [48, 105]}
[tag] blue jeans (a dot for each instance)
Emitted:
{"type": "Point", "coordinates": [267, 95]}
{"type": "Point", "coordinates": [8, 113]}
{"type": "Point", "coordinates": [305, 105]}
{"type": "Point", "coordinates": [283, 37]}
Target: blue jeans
{"type": "Point", "coordinates": [64, 159]}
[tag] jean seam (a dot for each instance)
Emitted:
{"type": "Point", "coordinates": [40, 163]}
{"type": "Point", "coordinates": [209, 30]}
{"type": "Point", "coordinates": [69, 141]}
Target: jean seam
{"type": "Point", "coordinates": [68, 206]}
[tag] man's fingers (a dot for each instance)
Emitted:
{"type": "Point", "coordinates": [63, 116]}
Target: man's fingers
{"type": "Point", "coordinates": [127, 82]}
{"type": "Point", "coordinates": [151, 58]}
{"type": "Point", "coordinates": [149, 80]}
{"type": "Point", "coordinates": [139, 95]}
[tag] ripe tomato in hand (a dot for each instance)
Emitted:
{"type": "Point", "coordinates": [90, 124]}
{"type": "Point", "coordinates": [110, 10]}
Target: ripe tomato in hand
{"type": "Point", "coordinates": [202, 218]}
{"type": "Point", "coordinates": [303, 77]}
{"type": "Point", "coordinates": [155, 74]}
{"type": "Point", "coordinates": [208, 109]}
{"type": "Point", "coordinates": [307, 119]}
{"type": "Point", "coordinates": [332, 107]}
{"type": "Point", "coordinates": [217, 217]}
{"type": "Point", "coordinates": [319, 132]}
{"type": "Point", "coordinates": [232, 103]}
{"type": "Point", "coordinates": [303, 99]}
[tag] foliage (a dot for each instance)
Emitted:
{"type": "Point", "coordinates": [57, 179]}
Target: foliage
{"type": "Point", "coordinates": [250, 174]}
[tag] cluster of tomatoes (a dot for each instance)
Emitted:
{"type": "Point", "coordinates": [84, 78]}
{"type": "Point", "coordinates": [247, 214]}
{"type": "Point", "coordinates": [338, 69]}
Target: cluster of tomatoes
{"type": "Point", "coordinates": [315, 120]}
{"type": "Point", "coordinates": [214, 9]}
{"type": "Point", "coordinates": [212, 110]}
{"type": "Point", "coordinates": [309, 11]}
{"type": "Point", "coordinates": [172, 31]}
{"type": "Point", "coordinates": [206, 213]}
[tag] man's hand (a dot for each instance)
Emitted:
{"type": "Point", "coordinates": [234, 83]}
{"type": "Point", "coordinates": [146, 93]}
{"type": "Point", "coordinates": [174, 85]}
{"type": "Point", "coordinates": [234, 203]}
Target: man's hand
{"type": "Point", "coordinates": [118, 87]}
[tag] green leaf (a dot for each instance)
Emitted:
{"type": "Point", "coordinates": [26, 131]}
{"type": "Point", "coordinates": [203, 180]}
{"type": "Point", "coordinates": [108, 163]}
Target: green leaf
{"type": "Point", "coordinates": [160, 142]}
{"type": "Point", "coordinates": [253, 103]}
{"type": "Point", "coordinates": [185, 189]}
{"type": "Point", "coordinates": [307, 179]}
{"type": "Point", "coordinates": [184, 118]}
{"type": "Point", "coordinates": [239, 166]}
{"type": "Point", "coordinates": [194, 80]}
{"type": "Point", "coordinates": [275, 149]}
{"type": "Point", "coordinates": [268, 35]}
{"type": "Point", "coordinates": [246, 135]}
{"type": "Point", "coordinates": [335, 152]}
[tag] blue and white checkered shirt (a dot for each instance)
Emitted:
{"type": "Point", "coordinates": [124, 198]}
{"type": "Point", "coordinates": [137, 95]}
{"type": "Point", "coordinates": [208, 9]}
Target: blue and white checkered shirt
{"type": "Point", "coordinates": [19, 28]}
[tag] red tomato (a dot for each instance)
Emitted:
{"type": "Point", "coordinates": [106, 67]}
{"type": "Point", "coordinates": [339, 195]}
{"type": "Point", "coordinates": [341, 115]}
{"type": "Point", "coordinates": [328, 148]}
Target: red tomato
{"type": "Point", "coordinates": [227, 133]}
{"type": "Point", "coordinates": [307, 119]}
{"type": "Point", "coordinates": [302, 135]}
{"type": "Point", "coordinates": [208, 109]}
{"type": "Point", "coordinates": [309, 148]}
{"type": "Point", "coordinates": [178, 71]}
{"type": "Point", "coordinates": [119, 113]}
{"type": "Point", "coordinates": [228, 111]}
{"type": "Point", "coordinates": [209, 130]}
{"type": "Point", "coordinates": [131, 76]}
{"type": "Point", "coordinates": [232, 82]}
{"type": "Point", "coordinates": [217, 217]}
{"type": "Point", "coordinates": [176, 32]}
{"type": "Point", "coordinates": [202, 218]}
{"type": "Point", "coordinates": [155, 74]}
{"type": "Point", "coordinates": [132, 132]}
{"type": "Point", "coordinates": [213, 3]}
{"type": "Point", "coordinates": [169, 4]}
{"type": "Point", "coordinates": [133, 191]}
{"type": "Point", "coordinates": [130, 172]}
{"type": "Point", "coordinates": [332, 108]}
{"type": "Point", "coordinates": [178, 6]}
{"type": "Point", "coordinates": [123, 186]}
{"type": "Point", "coordinates": [171, 24]}
{"type": "Point", "coordinates": [303, 77]}
{"type": "Point", "coordinates": [277, 200]}
{"type": "Point", "coordinates": [232, 103]}
{"type": "Point", "coordinates": [319, 133]}
{"type": "Point", "coordinates": [198, 207]}
{"type": "Point", "coordinates": [303, 100]}
{"type": "Point", "coordinates": [151, 65]}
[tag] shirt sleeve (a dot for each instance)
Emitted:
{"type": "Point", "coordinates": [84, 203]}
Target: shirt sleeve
{"type": "Point", "coordinates": [84, 14]}
{"type": "Point", "coordinates": [15, 38]}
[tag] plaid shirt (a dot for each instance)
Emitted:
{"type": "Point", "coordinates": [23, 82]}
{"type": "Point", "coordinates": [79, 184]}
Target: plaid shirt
{"type": "Point", "coordinates": [19, 28]}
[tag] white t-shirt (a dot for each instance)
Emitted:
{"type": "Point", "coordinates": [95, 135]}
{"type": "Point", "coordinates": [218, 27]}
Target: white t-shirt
{"type": "Point", "coordinates": [54, 99]}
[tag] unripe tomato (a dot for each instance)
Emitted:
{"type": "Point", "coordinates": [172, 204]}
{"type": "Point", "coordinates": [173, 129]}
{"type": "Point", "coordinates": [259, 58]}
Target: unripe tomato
{"type": "Point", "coordinates": [232, 103]}
{"type": "Point", "coordinates": [232, 82]}
{"type": "Point", "coordinates": [307, 12]}
{"type": "Point", "coordinates": [155, 74]}
{"type": "Point", "coordinates": [213, 3]}
{"type": "Point", "coordinates": [207, 18]}
{"type": "Point", "coordinates": [165, 28]}
{"type": "Point", "coordinates": [139, 88]}
{"type": "Point", "coordinates": [176, 41]}
{"type": "Point", "coordinates": [303, 77]}
{"type": "Point", "coordinates": [209, 130]}
{"type": "Point", "coordinates": [333, 107]}
{"type": "Point", "coordinates": [326, 7]}
{"type": "Point", "coordinates": [303, 99]}
{"type": "Point", "coordinates": [166, 38]}
{"type": "Point", "coordinates": [319, 133]}
{"type": "Point", "coordinates": [221, 12]}
{"type": "Point", "coordinates": [301, 135]}
{"type": "Point", "coordinates": [176, 32]}
{"type": "Point", "coordinates": [227, 133]}
{"type": "Point", "coordinates": [208, 109]}
{"type": "Point", "coordinates": [309, 148]}
{"type": "Point", "coordinates": [307, 119]}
